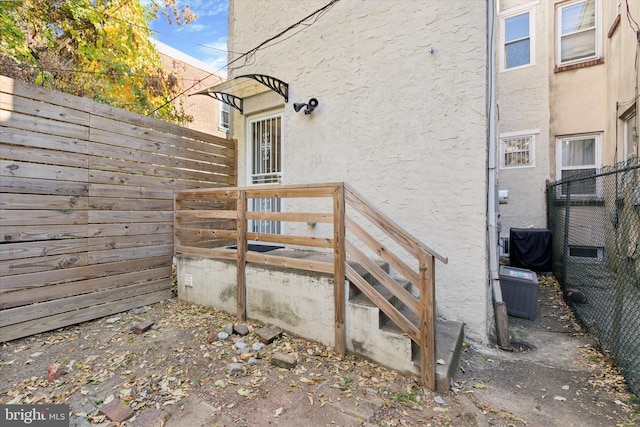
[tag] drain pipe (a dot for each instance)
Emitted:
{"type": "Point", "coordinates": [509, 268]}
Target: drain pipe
{"type": "Point", "coordinates": [499, 306]}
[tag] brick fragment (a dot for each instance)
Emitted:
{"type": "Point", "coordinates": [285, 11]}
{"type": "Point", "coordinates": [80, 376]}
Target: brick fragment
{"type": "Point", "coordinates": [116, 411]}
{"type": "Point", "coordinates": [142, 327]}
{"type": "Point", "coordinates": [213, 336]}
{"type": "Point", "coordinates": [268, 335]}
{"type": "Point", "coordinates": [54, 371]}
{"type": "Point", "coordinates": [283, 360]}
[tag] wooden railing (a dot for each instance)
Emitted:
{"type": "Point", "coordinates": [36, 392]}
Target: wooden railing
{"type": "Point", "coordinates": [210, 222]}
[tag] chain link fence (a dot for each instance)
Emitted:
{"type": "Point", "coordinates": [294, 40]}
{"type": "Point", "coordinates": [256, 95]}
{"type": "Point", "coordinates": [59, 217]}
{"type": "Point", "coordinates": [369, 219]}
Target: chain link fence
{"type": "Point", "coordinates": [594, 218]}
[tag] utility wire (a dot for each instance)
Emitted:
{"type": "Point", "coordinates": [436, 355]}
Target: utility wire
{"type": "Point", "coordinates": [250, 53]}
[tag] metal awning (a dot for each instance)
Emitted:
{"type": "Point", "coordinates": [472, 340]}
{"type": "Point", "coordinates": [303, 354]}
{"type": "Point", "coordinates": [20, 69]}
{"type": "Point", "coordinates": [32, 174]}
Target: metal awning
{"type": "Point", "coordinates": [232, 92]}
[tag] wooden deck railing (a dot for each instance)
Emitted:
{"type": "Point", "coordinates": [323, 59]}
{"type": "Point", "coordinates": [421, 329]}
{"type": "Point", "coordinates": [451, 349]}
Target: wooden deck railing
{"type": "Point", "coordinates": [209, 222]}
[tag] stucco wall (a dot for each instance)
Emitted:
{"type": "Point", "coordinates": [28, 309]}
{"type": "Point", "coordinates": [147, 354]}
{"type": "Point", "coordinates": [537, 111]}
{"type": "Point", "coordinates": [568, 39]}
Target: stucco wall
{"type": "Point", "coordinates": [523, 99]}
{"type": "Point", "coordinates": [405, 126]}
{"type": "Point", "coordinates": [577, 100]}
{"type": "Point", "coordinates": [621, 75]}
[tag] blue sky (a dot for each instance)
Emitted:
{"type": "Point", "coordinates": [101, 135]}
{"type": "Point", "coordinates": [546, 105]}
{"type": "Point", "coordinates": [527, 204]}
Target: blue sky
{"type": "Point", "coordinates": [205, 38]}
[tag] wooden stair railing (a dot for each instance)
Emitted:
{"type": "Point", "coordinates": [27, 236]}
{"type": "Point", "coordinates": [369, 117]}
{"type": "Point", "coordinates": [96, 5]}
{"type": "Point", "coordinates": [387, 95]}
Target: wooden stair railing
{"type": "Point", "coordinates": [207, 222]}
{"type": "Point", "coordinates": [423, 280]}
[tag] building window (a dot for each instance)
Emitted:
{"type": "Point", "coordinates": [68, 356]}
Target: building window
{"type": "Point", "coordinates": [224, 111]}
{"type": "Point", "coordinates": [516, 34]}
{"type": "Point", "coordinates": [517, 151]}
{"type": "Point", "coordinates": [577, 32]}
{"type": "Point", "coordinates": [630, 135]}
{"type": "Point", "coordinates": [579, 155]}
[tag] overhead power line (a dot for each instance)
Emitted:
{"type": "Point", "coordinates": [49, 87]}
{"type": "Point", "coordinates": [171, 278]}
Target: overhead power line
{"type": "Point", "coordinates": [251, 52]}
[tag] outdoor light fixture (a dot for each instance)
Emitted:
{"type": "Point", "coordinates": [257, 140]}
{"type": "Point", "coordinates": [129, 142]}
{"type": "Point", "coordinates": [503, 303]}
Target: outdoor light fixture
{"type": "Point", "coordinates": [311, 105]}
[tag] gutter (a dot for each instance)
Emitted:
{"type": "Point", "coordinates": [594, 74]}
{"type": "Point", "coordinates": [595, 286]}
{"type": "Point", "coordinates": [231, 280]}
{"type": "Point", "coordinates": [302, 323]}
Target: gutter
{"type": "Point", "coordinates": [499, 307]}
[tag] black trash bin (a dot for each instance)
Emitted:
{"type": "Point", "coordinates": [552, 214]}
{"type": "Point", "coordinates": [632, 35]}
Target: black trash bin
{"type": "Point", "coordinates": [530, 248]}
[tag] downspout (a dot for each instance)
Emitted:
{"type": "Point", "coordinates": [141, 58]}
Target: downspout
{"type": "Point", "coordinates": [499, 307]}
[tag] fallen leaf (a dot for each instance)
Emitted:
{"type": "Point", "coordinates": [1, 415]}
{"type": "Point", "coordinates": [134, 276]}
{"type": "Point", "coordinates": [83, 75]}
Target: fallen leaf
{"type": "Point", "coordinates": [244, 392]}
{"type": "Point", "coordinates": [560, 398]}
{"type": "Point", "coordinates": [278, 412]}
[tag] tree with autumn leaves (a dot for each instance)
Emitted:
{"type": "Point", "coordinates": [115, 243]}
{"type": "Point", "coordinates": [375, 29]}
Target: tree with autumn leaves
{"type": "Point", "coordinates": [99, 49]}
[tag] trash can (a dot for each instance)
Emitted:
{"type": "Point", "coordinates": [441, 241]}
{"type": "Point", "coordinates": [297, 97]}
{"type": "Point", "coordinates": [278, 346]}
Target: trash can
{"type": "Point", "coordinates": [519, 291]}
{"type": "Point", "coordinates": [530, 248]}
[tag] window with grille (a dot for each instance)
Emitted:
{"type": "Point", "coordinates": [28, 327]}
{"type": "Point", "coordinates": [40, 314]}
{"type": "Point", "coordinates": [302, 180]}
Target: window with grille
{"type": "Point", "coordinates": [265, 157]}
{"type": "Point", "coordinates": [517, 151]}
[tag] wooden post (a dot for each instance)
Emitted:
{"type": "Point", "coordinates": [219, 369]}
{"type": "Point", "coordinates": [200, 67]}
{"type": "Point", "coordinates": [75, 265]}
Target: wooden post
{"type": "Point", "coordinates": [176, 205]}
{"type": "Point", "coordinates": [427, 320]}
{"type": "Point", "coordinates": [339, 259]}
{"type": "Point", "coordinates": [241, 255]}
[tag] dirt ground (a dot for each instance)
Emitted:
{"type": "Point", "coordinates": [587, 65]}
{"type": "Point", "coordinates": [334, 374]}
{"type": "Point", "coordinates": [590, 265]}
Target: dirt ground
{"type": "Point", "coordinates": [172, 376]}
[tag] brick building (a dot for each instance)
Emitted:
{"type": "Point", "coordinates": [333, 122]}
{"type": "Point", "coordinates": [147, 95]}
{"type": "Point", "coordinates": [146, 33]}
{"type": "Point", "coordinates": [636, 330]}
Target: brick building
{"type": "Point", "coordinates": [209, 115]}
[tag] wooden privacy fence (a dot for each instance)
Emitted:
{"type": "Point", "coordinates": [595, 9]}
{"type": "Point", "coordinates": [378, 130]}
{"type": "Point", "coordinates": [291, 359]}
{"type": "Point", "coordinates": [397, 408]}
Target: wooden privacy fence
{"type": "Point", "coordinates": [209, 221]}
{"type": "Point", "coordinates": [86, 205]}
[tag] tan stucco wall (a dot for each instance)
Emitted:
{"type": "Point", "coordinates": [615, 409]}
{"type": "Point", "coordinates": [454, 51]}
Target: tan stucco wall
{"type": "Point", "coordinates": [404, 126]}
{"type": "Point", "coordinates": [621, 76]}
{"type": "Point", "coordinates": [577, 98]}
{"type": "Point", "coordinates": [523, 99]}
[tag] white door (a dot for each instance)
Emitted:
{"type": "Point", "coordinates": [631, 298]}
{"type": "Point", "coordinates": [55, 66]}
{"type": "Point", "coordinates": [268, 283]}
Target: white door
{"type": "Point", "coordinates": [265, 166]}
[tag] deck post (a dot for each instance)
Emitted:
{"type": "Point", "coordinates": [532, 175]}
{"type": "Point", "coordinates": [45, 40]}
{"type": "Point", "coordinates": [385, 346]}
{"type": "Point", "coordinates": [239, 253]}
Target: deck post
{"type": "Point", "coordinates": [339, 258]}
{"type": "Point", "coordinates": [427, 320]}
{"type": "Point", "coordinates": [241, 255]}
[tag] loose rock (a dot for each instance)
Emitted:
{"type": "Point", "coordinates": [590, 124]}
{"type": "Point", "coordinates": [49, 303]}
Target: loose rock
{"type": "Point", "coordinates": [268, 335]}
{"type": "Point", "coordinates": [228, 328]}
{"type": "Point", "coordinates": [234, 369]}
{"type": "Point", "coordinates": [54, 371]}
{"type": "Point", "coordinates": [116, 411]}
{"type": "Point", "coordinates": [142, 327]}
{"type": "Point", "coordinates": [282, 360]}
{"type": "Point", "coordinates": [241, 330]}
{"type": "Point", "coordinates": [223, 335]}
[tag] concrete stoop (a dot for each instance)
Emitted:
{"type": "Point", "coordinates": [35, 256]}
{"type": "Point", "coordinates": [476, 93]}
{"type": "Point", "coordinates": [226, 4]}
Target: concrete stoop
{"type": "Point", "coordinates": [372, 335]}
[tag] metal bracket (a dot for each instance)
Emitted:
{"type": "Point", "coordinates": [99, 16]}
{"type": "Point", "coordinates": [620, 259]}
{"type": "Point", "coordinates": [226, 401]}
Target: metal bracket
{"type": "Point", "coordinates": [276, 85]}
{"type": "Point", "coordinates": [227, 98]}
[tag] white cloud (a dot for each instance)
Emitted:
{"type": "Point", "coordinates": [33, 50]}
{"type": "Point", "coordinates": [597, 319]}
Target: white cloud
{"type": "Point", "coordinates": [215, 54]}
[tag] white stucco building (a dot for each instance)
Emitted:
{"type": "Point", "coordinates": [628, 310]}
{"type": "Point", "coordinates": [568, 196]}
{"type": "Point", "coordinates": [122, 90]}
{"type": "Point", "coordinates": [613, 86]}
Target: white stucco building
{"type": "Point", "coordinates": [402, 115]}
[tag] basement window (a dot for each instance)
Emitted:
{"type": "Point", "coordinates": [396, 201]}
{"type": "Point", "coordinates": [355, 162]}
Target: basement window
{"type": "Point", "coordinates": [586, 253]}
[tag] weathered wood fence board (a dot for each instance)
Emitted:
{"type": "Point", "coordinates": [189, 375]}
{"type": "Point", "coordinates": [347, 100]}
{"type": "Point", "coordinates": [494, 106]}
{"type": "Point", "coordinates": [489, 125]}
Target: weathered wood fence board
{"type": "Point", "coordinates": [86, 205]}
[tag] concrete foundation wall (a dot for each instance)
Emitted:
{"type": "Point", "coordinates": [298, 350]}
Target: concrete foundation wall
{"type": "Point", "coordinates": [296, 301]}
